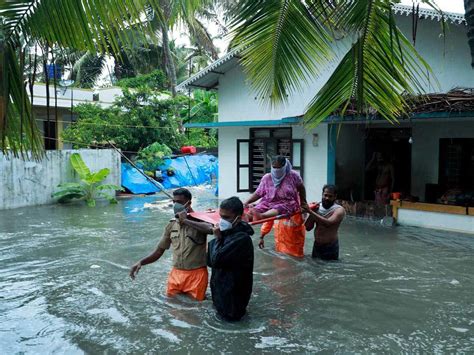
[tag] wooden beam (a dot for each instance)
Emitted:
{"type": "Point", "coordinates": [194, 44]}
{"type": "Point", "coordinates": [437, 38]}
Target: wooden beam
{"type": "Point", "coordinates": [430, 207]}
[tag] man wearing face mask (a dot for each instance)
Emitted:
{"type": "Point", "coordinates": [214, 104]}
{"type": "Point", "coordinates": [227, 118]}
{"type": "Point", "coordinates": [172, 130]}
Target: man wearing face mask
{"type": "Point", "coordinates": [230, 255]}
{"type": "Point", "coordinates": [188, 241]}
{"type": "Point", "coordinates": [327, 219]}
{"type": "Point", "coordinates": [280, 192]}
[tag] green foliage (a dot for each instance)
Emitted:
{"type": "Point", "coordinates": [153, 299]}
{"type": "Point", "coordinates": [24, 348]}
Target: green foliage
{"type": "Point", "coordinates": [89, 189]}
{"type": "Point", "coordinates": [201, 137]}
{"type": "Point", "coordinates": [155, 80]}
{"type": "Point", "coordinates": [136, 120]}
{"type": "Point", "coordinates": [201, 109]}
{"type": "Point", "coordinates": [153, 156]}
{"type": "Point", "coordinates": [287, 43]}
{"type": "Point", "coordinates": [83, 25]}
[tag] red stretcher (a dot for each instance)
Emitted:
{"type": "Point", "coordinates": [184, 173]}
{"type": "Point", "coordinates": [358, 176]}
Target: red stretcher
{"type": "Point", "coordinates": [212, 216]}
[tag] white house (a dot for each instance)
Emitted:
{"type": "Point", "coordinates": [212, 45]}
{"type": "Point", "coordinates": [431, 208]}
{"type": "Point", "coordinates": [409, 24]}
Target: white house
{"type": "Point", "coordinates": [429, 151]}
{"type": "Point", "coordinates": [67, 98]}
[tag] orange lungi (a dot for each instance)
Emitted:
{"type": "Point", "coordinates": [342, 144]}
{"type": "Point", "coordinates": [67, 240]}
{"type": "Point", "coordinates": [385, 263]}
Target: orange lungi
{"type": "Point", "coordinates": [193, 282]}
{"type": "Point", "coordinates": [289, 235]}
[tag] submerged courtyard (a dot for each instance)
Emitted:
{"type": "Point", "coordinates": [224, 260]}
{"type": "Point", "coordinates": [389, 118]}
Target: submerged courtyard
{"type": "Point", "coordinates": [65, 288]}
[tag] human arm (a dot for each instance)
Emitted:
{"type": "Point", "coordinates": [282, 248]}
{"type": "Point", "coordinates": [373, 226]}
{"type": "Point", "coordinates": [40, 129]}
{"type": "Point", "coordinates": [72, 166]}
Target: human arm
{"type": "Point", "coordinates": [164, 244]}
{"type": "Point", "coordinates": [334, 219]}
{"type": "Point", "coordinates": [309, 224]}
{"type": "Point", "coordinates": [202, 227]}
{"type": "Point", "coordinates": [252, 198]}
{"type": "Point", "coordinates": [302, 193]}
{"type": "Point", "coordinates": [157, 253]}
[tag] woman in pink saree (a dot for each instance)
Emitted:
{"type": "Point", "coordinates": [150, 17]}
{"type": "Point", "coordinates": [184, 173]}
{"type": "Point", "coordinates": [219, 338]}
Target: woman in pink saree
{"type": "Point", "coordinates": [281, 192]}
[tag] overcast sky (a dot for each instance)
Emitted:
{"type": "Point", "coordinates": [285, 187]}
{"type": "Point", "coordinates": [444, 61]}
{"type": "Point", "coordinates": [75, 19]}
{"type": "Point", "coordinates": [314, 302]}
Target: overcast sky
{"type": "Point", "coordinates": [446, 5]}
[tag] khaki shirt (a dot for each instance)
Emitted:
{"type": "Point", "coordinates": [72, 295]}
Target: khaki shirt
{"type": "Point", "coordinates": [189, 245]}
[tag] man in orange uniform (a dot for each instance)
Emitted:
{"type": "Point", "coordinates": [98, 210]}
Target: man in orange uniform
{"type": "Point", "coordinates": [188, 241]}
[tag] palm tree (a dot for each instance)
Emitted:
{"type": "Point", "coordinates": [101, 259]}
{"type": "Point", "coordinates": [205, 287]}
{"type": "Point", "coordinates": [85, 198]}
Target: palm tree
{"type": "Point", "coordinates": [288, 42]}
{"type": "Point", "coordinates": [182, 12]}
{"type": "Point", "coordinates": [93, 25]}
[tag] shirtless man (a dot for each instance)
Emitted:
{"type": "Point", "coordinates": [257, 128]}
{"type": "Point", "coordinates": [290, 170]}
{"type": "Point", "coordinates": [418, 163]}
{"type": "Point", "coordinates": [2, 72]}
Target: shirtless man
{"type": "Point", "coordinates": [327, 219]}
{"type": "Point", "coordinates": [385, 178]}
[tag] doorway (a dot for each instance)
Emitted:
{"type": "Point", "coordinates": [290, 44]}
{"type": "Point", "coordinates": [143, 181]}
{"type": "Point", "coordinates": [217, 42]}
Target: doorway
{"type": "Point", "coordinates": [394, 145]}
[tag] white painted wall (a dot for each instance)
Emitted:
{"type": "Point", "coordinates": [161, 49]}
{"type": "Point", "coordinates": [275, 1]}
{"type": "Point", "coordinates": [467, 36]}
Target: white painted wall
{"type": "Point", "coordinates": [425, 150]}
{"type": "Point", "coordinates": [228, 160]}
{"type": "Point", "coordinates": [316, 159]}
{"type": "Point", "coordinates": [78, 96]}
{"type": "Point", "coordinates": [435, 220]}
{"type": "Point", "coordinates": [449, 57]}
{"type": "Point", "coordinates": [315, 173]}
{"type": "Point", "coordinates": [29, 183]}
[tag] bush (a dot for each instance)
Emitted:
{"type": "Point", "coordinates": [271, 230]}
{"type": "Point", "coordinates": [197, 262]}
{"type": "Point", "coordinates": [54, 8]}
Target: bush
{"type": "Point", "coordinates": [153, 156]}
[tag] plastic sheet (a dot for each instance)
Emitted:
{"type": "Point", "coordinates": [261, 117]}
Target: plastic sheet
{"type": "Point", "coordinates": [188, 171]}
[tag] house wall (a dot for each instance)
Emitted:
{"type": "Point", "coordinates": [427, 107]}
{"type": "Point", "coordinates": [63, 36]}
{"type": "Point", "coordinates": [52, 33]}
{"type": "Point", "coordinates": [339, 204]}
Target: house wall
{"type": "Point", "coordinates": [448, 56]}
{"type": "Point", "coordinates": [450, 60]}
{"type": "Point", "coordinates": [315, 160]}
{"type": "Point", "coordinates": [435, 220]}
{"type": "Point", "coordinates": [29, 183]}
{"type": "Point", "coordinates": [425, 150]}
{"type": "Point", "coordinates": [64, 119]}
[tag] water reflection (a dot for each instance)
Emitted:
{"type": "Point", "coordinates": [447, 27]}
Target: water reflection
{"type": "Point", "coordinates": [64, 288]}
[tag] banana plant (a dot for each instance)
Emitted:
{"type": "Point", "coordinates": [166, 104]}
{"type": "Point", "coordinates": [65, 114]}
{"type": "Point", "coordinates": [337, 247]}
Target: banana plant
{"type": "Point", "coordinates": [89, 188]}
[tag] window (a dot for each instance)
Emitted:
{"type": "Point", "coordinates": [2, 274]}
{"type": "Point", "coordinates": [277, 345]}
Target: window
{"type": "Point", "coordinates": [456, 163]}
{"type": "Point", "coordinates": [254, 155]}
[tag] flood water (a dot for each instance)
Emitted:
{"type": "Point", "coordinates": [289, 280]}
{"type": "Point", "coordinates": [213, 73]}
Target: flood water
{"type": "Point", "coordinates": [64, 288]}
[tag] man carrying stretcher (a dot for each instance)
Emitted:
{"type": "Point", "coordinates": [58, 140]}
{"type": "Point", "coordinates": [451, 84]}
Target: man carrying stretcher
{"type": "Point", "coordinates": [187, 238]}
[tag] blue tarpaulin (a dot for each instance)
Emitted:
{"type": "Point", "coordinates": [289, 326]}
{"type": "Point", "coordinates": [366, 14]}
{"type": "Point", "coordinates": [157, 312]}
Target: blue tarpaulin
{"type": "Point", "coordinates": [202, 168]}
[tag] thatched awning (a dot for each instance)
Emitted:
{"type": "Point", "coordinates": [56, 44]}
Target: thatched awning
{"type": "Point", "coordinates": [458, 100]}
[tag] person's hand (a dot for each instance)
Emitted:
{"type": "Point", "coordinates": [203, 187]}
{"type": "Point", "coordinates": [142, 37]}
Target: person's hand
{"type": "Point", "coordinates": [182, 216]}
{"type": "Point", "coordinates": [246, 205]}
{"type": "Point", "coordinates": [261, 244]}
{"type": "Point", "coordinates": [217, 232]}
{"type": "Point", "coordinates": [305, 208]}
{"type": "Point", "coordinates": [135, 269]}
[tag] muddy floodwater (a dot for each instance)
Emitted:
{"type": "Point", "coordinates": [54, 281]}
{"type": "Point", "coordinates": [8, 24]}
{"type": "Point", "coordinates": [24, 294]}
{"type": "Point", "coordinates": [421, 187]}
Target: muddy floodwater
{"type": "Point", "coordinates": [64, 288]}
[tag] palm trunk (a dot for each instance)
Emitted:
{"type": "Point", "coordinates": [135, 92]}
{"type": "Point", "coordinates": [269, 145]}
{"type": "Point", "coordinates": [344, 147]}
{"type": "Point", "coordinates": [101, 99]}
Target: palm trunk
{"type": "Point", "coordinates": [169, 63]}
{"type": "Point", "coordinates": [469, 8]}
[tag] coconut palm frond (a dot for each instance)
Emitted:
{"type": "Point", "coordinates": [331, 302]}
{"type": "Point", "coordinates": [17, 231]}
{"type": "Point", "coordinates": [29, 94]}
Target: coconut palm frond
{"type": "Point", "coordinates": [18, 131]}
{"type": "Point", "coordinates": [88, 69]}
{"type": "Point", "coordinates": [94, 25]}
{"type": "Point", "coordinates": [284, 45]}
{"type": "Point", "coordinates": [201, 37]}
{"type": "Point", "coordinates": [380, 66]}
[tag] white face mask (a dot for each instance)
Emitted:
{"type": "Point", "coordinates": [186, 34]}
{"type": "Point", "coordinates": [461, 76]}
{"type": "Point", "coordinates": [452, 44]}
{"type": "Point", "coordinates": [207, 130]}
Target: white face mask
{"type": "Point", "coordinates": [278, 172]}
{"type": "Point", "coordinates": [226, 225]}
{"type": "Point", "coordinates": [178, 207]}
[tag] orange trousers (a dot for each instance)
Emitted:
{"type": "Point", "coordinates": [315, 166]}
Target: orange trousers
{"type": "Point", "coordinates": [289, 235]}
{"type": "Point", "coordinates": [192, 282]}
